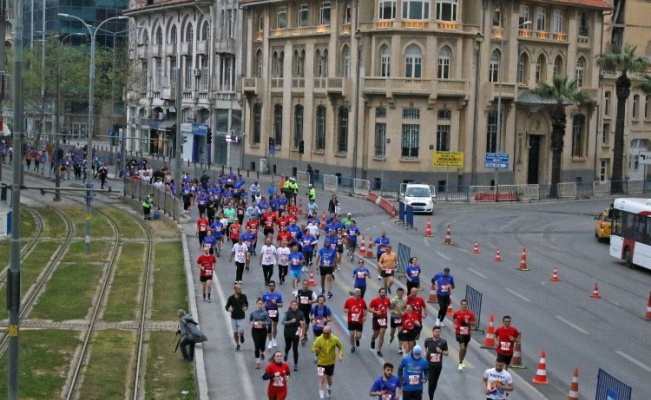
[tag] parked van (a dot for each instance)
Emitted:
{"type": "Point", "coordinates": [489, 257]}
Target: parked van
{"type": "Point", "coordinates": [421, 197]}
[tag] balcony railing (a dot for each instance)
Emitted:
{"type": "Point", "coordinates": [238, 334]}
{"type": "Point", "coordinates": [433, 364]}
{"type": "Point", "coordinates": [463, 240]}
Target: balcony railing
{"type": "Point", "coordinates": [277, 83]}
{"type": "Point", "coordinates": [425, 87]}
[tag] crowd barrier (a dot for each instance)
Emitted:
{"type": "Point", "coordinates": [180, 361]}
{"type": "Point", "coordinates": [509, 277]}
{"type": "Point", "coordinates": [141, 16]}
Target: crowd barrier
{"type": "Point", "coordinates": [610, 388]}
{"type": "Point", "coordinates": [164, 201]}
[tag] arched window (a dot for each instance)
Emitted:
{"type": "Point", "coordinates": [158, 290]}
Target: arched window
{"type": "Point", "coordinates": [385, 61]}
{"type": "Point", "coordinates": [278, 124]}
{"type": "Point", "coordinates": [320, 140]}
{"type": "Point", "coordinates": [523, 68]}
{"type": "Point", "coordinates": [173, 35]}
{"type": "Point", "coordinates": [579, 72]}
{"type": "Point", "coordinates": [298, 124]}
{"type": "Point", "coordinates": [444, 63]}
{"type": "Point", "coordinates": [159, 36]}
{"type": "Point", "coordinates": [189, 33]}
{"type": "Point", "coordinates": [278, 64]}
{"type": "Point", "coordinates": [413, 62]}
{"type": "Point", "coordinates": [345, 62]}
{"type": "Point", "coordinates": [541, 19]}
{"type": "Point", "coordinates": [205, 31]}
{"type": "Point", "coordinates": [541, 69]}
{"type": "Point", "coordinates": [524, 14]}
{"type": "Point", "coordinates": [342, 130]}
{"type": "Point", "coordinates": [494, 66]}
{"type": "Point", "coordinates": [636, 107]}
{"type": "Point", "coordinates": [578, 136]}
{"type": "Point", "coordinates": [558, 66]}
{"type": "Point", "coordinates": [257, 123]}
{"type": "Point", "coordinates": [145, 37]}
{"type": "Point", "coordinates": [258, 63]}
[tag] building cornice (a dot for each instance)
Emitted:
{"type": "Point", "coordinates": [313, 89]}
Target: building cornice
{"type": "Point", "coordinates": [167, 5]}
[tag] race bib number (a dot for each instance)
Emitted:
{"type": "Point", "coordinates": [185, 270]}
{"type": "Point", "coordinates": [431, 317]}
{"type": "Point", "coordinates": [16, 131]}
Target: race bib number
{"type": "Point", "coordinates": [304, 299]}
{"type": "Point", "coordinates": [299, 332]}
{"type": "Point", "coordinates": [435, 357]}
{"type": "Point", "coordinates": [320, 371]}
{"type": "Point", "coordinates": [202, 228]}
{"type": "Point", "coordinates": [505, 346]}
{"type": "Point", "coordinates": [318, 322]}
{"type": "Point", "coordinates": [279, 381]}
{"type": "Point", "coordinates": [361, 274]}
{"type": "Point", "coordinates": [326, 263]}
{"type": "Point", "coordinates": [397, 320]}
{"type": "Point", "coordinates": [414, 379]}
{"type": "Point", "coordinates": [464, 330]}
{"type": "Point", "coordinates": [209, 272]}
{"type": "Point", "coordinates": [354, 317]}
{"type": "Point", "coordinates": [295, 261]}
{"type": "Point", "coordinates": [257, 324]}
{"type": "Point", "coordinates": [387, 397]}
{"type": "Point", "coordinates": [273, 313]}
{"type": "Point", "coordinates": [444, 288]}
{"type": "Point", "coordinates": [382, 321]}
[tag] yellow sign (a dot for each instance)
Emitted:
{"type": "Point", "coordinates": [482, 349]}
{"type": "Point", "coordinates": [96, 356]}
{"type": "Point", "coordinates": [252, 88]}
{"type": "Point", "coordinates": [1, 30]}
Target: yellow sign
{"type": "Point", "coordinates": [447, 159]}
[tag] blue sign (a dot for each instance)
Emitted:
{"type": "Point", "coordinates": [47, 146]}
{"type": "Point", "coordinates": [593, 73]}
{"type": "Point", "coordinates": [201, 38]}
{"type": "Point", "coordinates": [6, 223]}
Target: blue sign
{"type": "Point", "coordinates": [199, 129]}
{"type": "Point", "coordinates": [272, 150]}
{"type": "Point", "coordinates": [611, 395]}
{"type": "Point", "coordinates": [497, 161]}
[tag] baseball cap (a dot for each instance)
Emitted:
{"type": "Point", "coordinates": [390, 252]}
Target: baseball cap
{"type": "Point", "coordinates": [417, 350]}
{"type": "Point", "coordinates": [349, 214]}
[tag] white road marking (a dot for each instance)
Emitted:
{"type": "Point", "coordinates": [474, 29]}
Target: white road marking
{"type": "Point", "coordinates": [477, 273]}
{"type": "Point", "coordinates": [513, 292]}
{"type": "Point", "coordinates": [426, 242]}
{"type": "Point", "coordinates": [571, 325]}
{"type": "Point", "coordinates": [634, 361]}
{"type": "Point", "coordinates": [464, 250]}
{"type": "Point", "coordinates": [443, 256]}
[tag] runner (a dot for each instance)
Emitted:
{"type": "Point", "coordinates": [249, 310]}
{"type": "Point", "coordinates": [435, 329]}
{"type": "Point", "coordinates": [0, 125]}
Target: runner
{"type": "Point", "coordinates": [277, 373]}
{"type": "Point", "coordinates": [325, 347]}
{"type": "Point", "coordinates": [443, 282]}
{"type": "Point", "coordinates": [413, 372]}
{"type": "Point", "coordinates": [382, 241]}
{"type": "Point", "coordinates": [464, 321]}
{"type": "Point", "coordinates": [353, 234]}
{"type": "Point", "coordinates": [387, 264]}
{"type": "Point", "coordinates": [296, 261]}
{"type": "Point", "coordinates": [355, 308]}
{"type": "Point", "coordinates": [360, 274]}
{"type": "Point", "coordinates": [435, 348]}
{"type": "Point", "coordinates": [507, 336]}
{"type": "Point", "coordinates": [202, 228]}
{"type": "Point", "coordinates": [268, 220]}
{"type": "Point", "coordinates": [379, 307]}
{"type": "Point", "coordinates": [248, 237]}
{"type": "Point", "coordinates": [273, 300]}
{"type": "Point", "coordinates": [326, 260]}
{"type": "Point", "coordinates": [234, 233]}
{"type": "Point", "coordinates": [408, 333]}
{"type": "Point", "coordinates": [420, 309]}
{"type": "Point", "coordinates": [294, 322]}
{"type": "Point", "coordinates": [282, 254]}
{"type": "Point", "coordinates": [237, 304]}
{"type": "Point", "coordinates": [238, 253]}
{"type": "Point", "coordinates": [339, 247]}
{"type": "Point", "coordinates": [320, 315]}
{"type": "Point", "coordinates": [497, 381]}
{"type": "Point", "coordinates": [305, 297]}
{"type": "Point", "coordinates": [268, 258]}
{"type": "Point", "coordinates": [413, 274]}
{"type": "Point", "coordinates": [259, 321]}
{"type": "Point", "coordinates": [308, 241]}
{"type": "Point", "coordinates": [206, 264]}
{"type": "Point", "coordinates": [387, 386]}
{"type": "Point", "coordinates": [398, 303]}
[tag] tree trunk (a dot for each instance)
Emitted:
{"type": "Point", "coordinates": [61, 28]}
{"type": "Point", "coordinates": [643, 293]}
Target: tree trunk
{"type": "Point", "coordinates": [559, 120]}
{"type": "Point", "coordinates": [622, 90]}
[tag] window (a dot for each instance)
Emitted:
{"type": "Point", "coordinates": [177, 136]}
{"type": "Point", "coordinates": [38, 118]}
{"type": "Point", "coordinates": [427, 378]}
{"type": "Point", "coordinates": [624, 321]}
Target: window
{"type": "Point", "coordinates": [636, 107]}
{"type": "Point", "coordinates": [345, 62]}
{"type": "Point", "coordinates": [380, 139]}
{"type": "Point", "coordinates": [444, 63]}
{"type": "Point", "coordinates": [557, 21]}
{"type": "Point", "coordinates": [189, 33]}
{"type": "Point", "coordinates": [320, 128]}
{"type": "Point", "coordinates": [342, 132]}
{"type": "Point", "coordinates": [494, 66]}
{"type": "Point", "coordinates": [298, 124]}
{"type": "Point", "coordinates": [189, 75]}
{"type": "Point", "coordinates": [580, 71]}
{"type": "Point", "coordinates": [415, 9]}
{"type": "Point", "coordinates": [541, 17]}
{"type": "Point", "coordinates": [523, 68]}
{"type": "Point", "coordinates": [443, 130]}
{"type": "Point", "coordinates": [410, 139]}
{"type": "Point", "coordinates": [278, 63]}
{"type": "Point", "coordinates": [605, 134]}
{"type": "Point", "coordinates": [541, 73]}
{"type": "Point", "coordinates": [497, 17]}
{"type": "Point", "coordinates": [381, 112]}
{"type": "Point", "coordinates": [303, 13]}
{"type": "Point", "coordinates": [204, 78]}
{"type": "Point", "coordinates": [607, 105]}
{"type": "Point", "coordinates": [647, 107]}
{"type": "Point", "coordinates": [227, 72]}
{"type": "Point", "coordinates": [411, 113]}
{"type": "Point", "coordinates": [325, 13]}
{"type": "Point", "coordinates": [413, 62]}
{"type": "Point", "coordinates": [298, 68]}
{"type": "Point", "coordinates": [159, 36]}
{"type": "Point", "coordinates": [158, 73]}
{"type": "Point", "coordinates": [603, 169]}
{"type": "Point", "coordinates": [385, 61]}
{"type": "Point", "coordinates": [583, 25]}
{"type": "Point", "coordinates": [278, 124]}
{"type": "Point", "coordinates": [321, 63]}
{"type": "Point", "coordinates": [259, 63]}
{"type": "Point", "coordinates": [79, 129]}
{"type": "Point", "coordinates": [524, 15]}
{"type": "Point", "coordinates": [558, 66]}
{"type": "Point", "coordinates": [347, 17]}
{"type": "Point", "coordinates": [281, 18]}
{"type": "Point", "coordinates": [491, 132]}
{"type": "Point", "coordinates": [446, 10]}
{"type": "Point", "coordinates": [144, 68]}
{"type": "Point", "coordinates": [257, 123]}
{"type": "Point", "coordinates": [578, 135]}
{"type": "Point", "coordinates": [174, 73]}
{"type": "Point", "coordinates": [205, 31]}
{"type": "Point", "coordinates": [173, 35]}
{"type": "Point", "coordinates": [145, 37]}
{"type": "Point", "coordinates": [261, 23]}
{"type": "Point", "coordinates": [387, 9]}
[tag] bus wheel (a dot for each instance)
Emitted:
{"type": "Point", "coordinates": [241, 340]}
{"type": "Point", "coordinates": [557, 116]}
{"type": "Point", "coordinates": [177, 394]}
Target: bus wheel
{"type": "Point", "coordinates": [628, 257]}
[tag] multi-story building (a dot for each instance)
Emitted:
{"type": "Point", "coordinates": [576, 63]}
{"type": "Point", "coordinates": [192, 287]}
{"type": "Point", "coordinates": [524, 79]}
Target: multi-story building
{"type": "Point", "coordinates": [374, 88]}
{"type": "Point", "coordinates": [192, 44]}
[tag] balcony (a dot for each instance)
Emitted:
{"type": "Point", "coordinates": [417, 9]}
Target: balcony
{"type": "Point", "coordinates": [508, 90]}
{"type": "Point", "coordinates": [525, 34]}
{"type": "Point", "coordinates": [423, 87]}
{"type": "Point", "coordinates": [345, 29]}
{"type": "Point", "coordinates": [225, 46]}
{"type": "Point", "coordinates": [320, 83]}
{"type": "Point", "coordinates": [583, 42]}
{"type": "Point", "coordinates": [258, 36]}
{"type": "Point", "coordinates": [542, 35]}
{"type": "Point", "coordinates": [384, 24]}
{"type": "Point", "coordinates": [168, 93]}
{"type": "Point", "coordinates": [339, 86]}
{"type": "Point", "coordinates": [592, 92]}
{"type": "Point", "coordinates": [414, 24]}
{"type": "Point", "coordinates": [559, 37]}
{"type": "Point", "coordinates": [447, 25]}
{"type": "Point", "coordinates": [277, 84]}
{"type": "Point", "coordinates": [298, 84]}
{"type": "Point", "coordinates": [497, 32]}
{"type": "Point", "coordinates": [451, 87]}
{"type": "Point", "coordinates": [202, 47]}
{"type": "Point", "coordinates": [300, 31]}
{"type": "Point", "coordinates": [252, 86]}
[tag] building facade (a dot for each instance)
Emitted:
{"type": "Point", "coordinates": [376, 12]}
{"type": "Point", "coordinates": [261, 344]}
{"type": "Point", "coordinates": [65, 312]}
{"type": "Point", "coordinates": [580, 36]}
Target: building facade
{"type": "Point", "coordinates": [194, 45]}
{"type": "Point", "coordinates": [372, 89]}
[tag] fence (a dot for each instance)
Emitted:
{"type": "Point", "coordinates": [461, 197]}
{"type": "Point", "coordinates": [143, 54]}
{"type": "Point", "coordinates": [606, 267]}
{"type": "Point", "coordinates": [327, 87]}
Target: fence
{"type": "Point", "coordinates": [163, 201]}
{"type": "Point", "coordinates": [404, 253]}
{"type": "Point", "coordinates": [610, 388]}
{"type": "Point", "coordinates": [474, 298]}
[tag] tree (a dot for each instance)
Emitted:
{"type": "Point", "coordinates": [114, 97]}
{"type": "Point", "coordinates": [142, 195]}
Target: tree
{"type": "Point", "coordinates": [623, 60]}
{"type": "Point", "coordinates": [563, 92]}
{"type": "Point", "coordinates": [645, 85]}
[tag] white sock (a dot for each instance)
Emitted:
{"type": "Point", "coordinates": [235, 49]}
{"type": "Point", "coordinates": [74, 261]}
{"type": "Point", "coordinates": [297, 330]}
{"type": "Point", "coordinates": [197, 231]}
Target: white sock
{"type": "Point", "coordinates": [321, 393]}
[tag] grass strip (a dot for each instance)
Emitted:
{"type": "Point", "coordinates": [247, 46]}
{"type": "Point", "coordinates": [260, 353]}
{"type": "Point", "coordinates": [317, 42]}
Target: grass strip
{"type": "Point", "coordinates": [105, 375]}
{"type": "Point", "coordinates": [98, 255]}
{"type": "Point", "coordinates": [128, 227]}
{"type": "Point", "coordinates": [98, 225]}
{"type": "Point", "coordinates": [167, 376]}
{"type": "Point", "coordinates": [45, 357]}
{"type": "Point", "coordinates": [53, 224]}
{"type": "Point", "coordinates": [170, 292]}
{"type": "Point", "coordinates": [122, 304]}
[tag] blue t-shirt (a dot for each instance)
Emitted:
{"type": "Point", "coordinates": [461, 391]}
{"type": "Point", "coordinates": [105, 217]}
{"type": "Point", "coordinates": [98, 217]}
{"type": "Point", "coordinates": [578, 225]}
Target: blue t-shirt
{"type": "Point", "coordinates": [413, 272]}
{"type": "Point", "coordinates": [296, 232]}
{"type": "Point", "coordinates": [360, 275]}
{"type": "Point", "coordinates": [443, 284]}
{"type": "Point", "coordinates": [210, 240]}
{"type": "Point", "coordinates": [353, 232]}
{"type": "Point", "coordinates": [413, 372]}
{"type": "Point", "coordinates": [321, 315]}
{"type": "Point", "coordinates": [248, 238]}
{"type": "Point", "coordinates": [268, 296]}
{"type": "Point", "coordinates": [382, 243]}
{"type": "Point", "coordinates": [327, 257]}
{"type": "Point", "coordinates": [331, 239]}
{"type": "Point", "coordinates": [390, 386]}
{"type": "Point", "coordinates": [296, 260]}
{"type": "Point", "coordinates": [308, 241]}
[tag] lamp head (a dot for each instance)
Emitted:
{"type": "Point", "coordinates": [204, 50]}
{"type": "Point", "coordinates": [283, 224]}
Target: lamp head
{"type": "Point", "coordinates": [526, 23]}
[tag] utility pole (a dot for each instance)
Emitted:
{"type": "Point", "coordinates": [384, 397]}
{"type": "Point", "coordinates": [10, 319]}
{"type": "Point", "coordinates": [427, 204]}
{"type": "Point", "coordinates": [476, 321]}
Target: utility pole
{"type": "Point", "coordinates": [179, 134]}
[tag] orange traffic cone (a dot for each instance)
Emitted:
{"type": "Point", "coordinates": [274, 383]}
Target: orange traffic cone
{"type": "Point", "coordinates": [523, 260]}
{"type": "Point", "coordinates": [369, 249]}
{"type": "Point", "coordinates": [647, 316]}
{"type": "Point", "coordinates": [541, 373]}
{"type": "Point", "coordinates": [323, 220]}
{"type": "Point", "coordinates": [516, 360]}
{"type": "Point", "coordinates": [362, 247]}
{"type": "Point", "coordinates": [311, 282]}
{"type": "Point", "coordinates": [300, 207]}
{"type": "Point", "coordinates": [498, 256]}
{"type": "Point", "coordinates": [574, 386]}
{"type": "Point", "coordinates": [450, 310]}
{"type": "Point", "coordinates": [489, 341]}
{"type": "Point", "coordinates": [595, 292]}
{"type": "Point", "coordinates": [555, 277]}
{"type": "Point", "coordinates": [428, 228]}
{"type": "Point", "coordinates": [475, 250]}
{"type": "Point", "coordinates": [433, 298]}
{"type": "Point", "coordinates": [448, 235]}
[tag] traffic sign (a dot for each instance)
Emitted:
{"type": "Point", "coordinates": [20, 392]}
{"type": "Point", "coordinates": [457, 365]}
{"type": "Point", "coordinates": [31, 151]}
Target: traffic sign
{"type": "Point", "coordinates": [645, 157]}
{"type": "Point", "coordinates": [497, 160]}
{"type": "Point", "coordinates": [447, 159]}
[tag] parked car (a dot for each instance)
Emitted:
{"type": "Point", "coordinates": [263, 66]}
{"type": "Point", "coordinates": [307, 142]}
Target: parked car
{"type": "Point", "coordinates": [602, 227]}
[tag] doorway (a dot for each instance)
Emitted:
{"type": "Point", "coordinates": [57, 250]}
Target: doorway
{"type": "Point", "coordinates": [534, 160]}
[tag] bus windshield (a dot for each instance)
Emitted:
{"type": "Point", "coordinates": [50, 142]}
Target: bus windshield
{"type": "Point", "coordinates": [630, 238]}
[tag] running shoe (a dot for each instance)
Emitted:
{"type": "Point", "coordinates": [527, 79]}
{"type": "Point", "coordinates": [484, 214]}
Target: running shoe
{"type": "Point", "coordinates": [357, 342]}
{"type": "Point", "coordinates": [238, 348]}
{"type": "Point", "coordinates": [389, 290]}
{"type": "Point", "coordinates": [460, 367]}
{"type": "Point", "coordinates": [391, 339]}
{"type": "Point", "coordinates": [285, 357]}
{"type": "Point", "coordinates": [329, 393]}
{"type": "Point", "coordinates": [352, 349]}
{"type": "Point", "coordinates": [295, 367]}
{"type": "Point", "coordinates": [242, 339]}
{"type": "Point", "coordinates": [257, 365]}
{"type": "Point", "coordinates": [400, 351]}
{"type": "Point", "coordinates": [329, 295]}
{"type": "Point", "coordinates": [261, 355]}
{"type": "Point", "coordinates": [379, 353]}
{"type": "Point", "coordinates": [372, 344]}
{"type": "Point", "coordinates": [270, 345]}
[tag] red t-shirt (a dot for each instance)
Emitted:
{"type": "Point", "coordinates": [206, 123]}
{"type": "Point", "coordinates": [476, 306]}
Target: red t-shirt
{"type": "Point", "coordinates": [282, 222]}
{"type": "Point", "coordinates": [504, 342]}
{"type": "Point", "coordinates": [207, 263]}
{"type": "Point", "coordinates": [418, 304]}
{"type": "Point", "coordinates": [379, 304]}
{"type": "Point", "coordinates": [284, 235]}
{"type": "Point", "coordinates": [356, 309]}
{"type": "Point", "coordinates": [268, 220]}
{"type": "Point", "coordinates": [235, 231]}
{"type": "Point", "coordinates": [409, 322]}
{"type": "Point", "coordinates": [254, 224]}
{"type": "Point", "coordinates": [460, 325]}
{"type": "Point", "coordinates": [202, 224]}
{"type": "Point", "coordinates": [277, 384]}
{"type": "Point", "coordinates": [292, 210]}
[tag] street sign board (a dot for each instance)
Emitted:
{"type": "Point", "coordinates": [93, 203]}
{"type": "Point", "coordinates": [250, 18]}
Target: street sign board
{"type": "Point", "coordinates": [645, 157]}
{"type": "Point", "coordinates": [497, 160]}
{"type": "Point", "coordinates": [447, 159]}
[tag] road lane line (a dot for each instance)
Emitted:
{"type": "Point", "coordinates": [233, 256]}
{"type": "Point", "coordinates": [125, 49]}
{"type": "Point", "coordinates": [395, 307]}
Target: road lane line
{"type": "Point", "coordinates": [477, 273]}
{"type": "Point", "coordinates": [568, 323]}
{"type": "Point", "coordinates": [513, 292]}
{"type": "Point", "coordinates": [426, 242]}
{"type": "Point", "coordinates": [634, 361]}
{"type": "Point", "coordinates": [443, 256]}
{"type": "Point", "coordinates": [464, 250]}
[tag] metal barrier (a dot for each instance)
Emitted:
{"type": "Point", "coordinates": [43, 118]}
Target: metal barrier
{"type": "Point", "coordinates": [634, 187]}
{"type": "Point", "coordinates": [409, 217]}
{"type": "Point", "coordinates": [481, 193]}
{"type": "Point", "coordinates": [610, 388]}
{"type": "Point", "coordinates": [404, 253]}
{"type": "Point", "coordinates": [303, 178]}
{"type": "Point", "coordinates": [529, 192]}
{"type": "Point", "coordinates": [507, 192]}
{"type": "Point", "coordinates": [474, 297]}
{"type": "Point", "coordinates": [361, 186]}
{"type": "Point", "coordinates": [165, 201]}
{"type": "Point", "coordinates": [452, 193]}
{"type": "Point", "coordinates": [330, 183]}
{"type": "Point", "coordinates": [601, 188]}
{"type": "Point", "coordinates": [567, 190]}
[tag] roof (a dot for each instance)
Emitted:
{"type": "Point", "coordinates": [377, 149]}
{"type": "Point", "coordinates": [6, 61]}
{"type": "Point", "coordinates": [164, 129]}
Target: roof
{"type": "Point", "coordinates": [603, 4]}
{"type": "Point", "coordinates": [160, 5]}
{"type": "Point", "coordinates": [529, 98]}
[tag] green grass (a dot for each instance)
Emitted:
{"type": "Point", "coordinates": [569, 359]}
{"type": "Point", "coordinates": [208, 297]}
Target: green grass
{"type": "Point", "coordinates": [122, 302]}
{"type": "Point", "coordinates": [99, 252]}
{"type": "Point", "coordinates": [53, 225]}
{"type": "Point", "coordinates": [128, 227]}
{"type": "Point", "coordinates": [98, 225]}
{"type": "Point", "coordinates": [45, 356]}
{"type": "Point", "coordinates": [167, 374]}
{"type": "Point", "coordinates": [27, 223]}
{"type": "Point", "coordinates": [106, 373]}
{"type": "Point", "coordinates": [170, 291]}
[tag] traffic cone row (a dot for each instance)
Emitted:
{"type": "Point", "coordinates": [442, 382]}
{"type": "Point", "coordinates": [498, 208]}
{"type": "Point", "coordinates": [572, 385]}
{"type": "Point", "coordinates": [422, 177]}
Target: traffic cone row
{"type": "Point", "coordinates": [323, 220]}
{"type": "Point", "coordinates": [523, 260]}
{"type": "Point", "coordinates": [595, 292]}
{"type": "Point", "coordinates": [489, 341]}
{"type": "Point", "coordinates": [647, 316]}
{"type": "Point", "coordinates": [574, 386]}
{"type": "Point", "coordinates": [428, 228]}
{"type": "Point", "coordinates": [541, 373]}
{"type": "Point", "coordinates": [362, 247]}
{"type": "Point", "coordinates": [498, 256]}
{"type": "Point", "coordinates": [516, 360]}
{"type": "Point", "coordinates": [448, 235]}
{"type": "Point", "coordinates": [475, 250]}
{"type": "Point", "coordinates": [555, 277]}
{"type": "Point", "coordinates": [369, 249]}
{"type": "Point", "coordinates": [311, 282]}
{"type": "Point", "coordinates": [433, 298]}
{"type": "Point", "coordinates": [300, 207]}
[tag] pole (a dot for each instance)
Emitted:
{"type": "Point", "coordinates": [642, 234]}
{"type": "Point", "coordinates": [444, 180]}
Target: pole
{"type": "Point", "coordinates": [357, 83]}
{"type": "Point", "coordinates": [179, 135]}
{"type": "Point", "coordinates": [13, 277]}
{"type": "Point", "coordinates": [499, 113]}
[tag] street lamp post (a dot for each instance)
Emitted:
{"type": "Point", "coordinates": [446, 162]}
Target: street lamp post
{"type": "Point", "coordinates": [91, 110]}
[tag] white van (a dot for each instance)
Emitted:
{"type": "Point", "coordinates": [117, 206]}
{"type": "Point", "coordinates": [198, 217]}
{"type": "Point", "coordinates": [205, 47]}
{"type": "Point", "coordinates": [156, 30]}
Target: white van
{"type": "Point", "coordinates": [420, 197]}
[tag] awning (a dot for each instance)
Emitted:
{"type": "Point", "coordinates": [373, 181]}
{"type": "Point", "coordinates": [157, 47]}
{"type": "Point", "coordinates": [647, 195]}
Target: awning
{"type": "Point", "coordinates": [166, 125]}
{"type": "Point", "coordinates": [530, 98]}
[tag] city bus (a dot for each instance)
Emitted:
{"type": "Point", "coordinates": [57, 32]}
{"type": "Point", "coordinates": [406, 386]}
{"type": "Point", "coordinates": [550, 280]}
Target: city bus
{"type": "Point", "coordinates": [630, 238]}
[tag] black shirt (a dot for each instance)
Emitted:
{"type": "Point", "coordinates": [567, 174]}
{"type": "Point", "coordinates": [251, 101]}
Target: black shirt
{"type": "Point", "coordinates": [238, 304]}
{"type": "Point", "coordinates": [291, 328]}
{"type": "Point", "coordinates": [431, 344]}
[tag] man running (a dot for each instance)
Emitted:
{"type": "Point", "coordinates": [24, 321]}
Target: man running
{"type": "Point", "coordinates": [444, 283]}
{"type": "Point", "coordinates": [379, 307]}
{"type": "Point", "coordinates": [294, 322]}
{"type": "Point", "coordinates": [206, 264]}
{"type": "Point", "coordinates": [355, 308]}
{"type": "Point", "coordinates": [238, 253]}
{"type": "Point", "coordinates": [420, 309]}
{"type": "Point", "coordinates": [268, 258]}
{"type": "Point", "coordinates": [435, 348]}
{"type": "Point", "coordinates": [282, 253]}
{"type": "Point", "coordinates": [360, 274]}
{"type": "Point", "coordinates": [507, 336]}
{"type": "Point", "coordinates": [320, 315]}
{"type": "Point", "coordinates": [305, 297]}
{"type": "Point", "coordinates": [464, 321]}
{"type": "Point", "coordinates": [387, 263]}
{"type": "Point", "coordinates": [325, 347]}
{"type": "Point", "coordinates": [296, 262]}
{"type": "Point", "coordinates": [326, 260]}
{"type": "Point", "coordinates": [352, 232]}
{"type": "Point", "coordinates": [413, 372]}
{"type": "Point", "coordinates": [398, 303]}
{"type": "Point", "coordinates": [497, 381]}
{"type": "Point", "coordinates": [387, 386]}
{"type": "Point", "coordinates": [237, 305]}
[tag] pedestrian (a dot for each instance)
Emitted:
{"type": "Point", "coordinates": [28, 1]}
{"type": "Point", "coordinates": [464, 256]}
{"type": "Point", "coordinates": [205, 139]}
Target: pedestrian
{"type": "Point", "coordinates": [328, 349]}
{"type": "Point", "coordinates": [311, 192]}
{"type": "Point", "coordinates": [407, 335]}
{"type": "Point", "coordinates": [238, 253]}
{"type": "Point", "coordinates": [379, 307]}
{"type": "Point", "coordinates": [186, 338]}
{"type": "Point", "coordinates": [507, 336]}
{"type": "Point", "coordinates": [282, 253]}
{"type": "Point", "coordinates": [443, 283]}
{"type": "Point", "coordinates": [387, 386]}
{"type": "Point", "coordinates": [398, 303]}
{"type": "Point", "coordinates": [420, 309]}
{"type": "Point", "coordinates": [102, 174]}
{"type": "Point", "coordinates": [305, 297]}
{"type": "Point", "coordinates": [294, 323]}
{"type": "Point", "coordinates": [273, 301]}
{"type": "Point", "coordinates": [147, 203]}
{"type": "Point", "coordinates": [355, 309]}
{"type": "Point", "coordinates": [236, 305]}
{"type": "Point", "coordinates": [268, 258]}
{"type": "Point", "coordinates": [464, 321]}
{"type": "Point", "coordinates": [381, 242]}
{"type": "Point", "coordinates": [333, 204]}
{"type": "Point", "coordinates": [326, 259]}
{"type": "Point", "coordinates": [277, 373]}
{"type": "Point", "coordinates": [352, 233]}
{"type": "Point", "coordinates": [435, 348]}
{"type": "Point", "coordinates": [360, 274]}
{"type": "Point", "coordinates": [413, 371]}
{"type": "Point", "coordinates": [206, 264]}
{"type": "Point", "coordinates": [413, 274]}
{"type": "Point", "coordinates": [259, 321]}
{"type": "Point", "coordinates": [497, 381]}
{"type": "Point", "coordinates": [387, 263]}
{"type": "Point", "coordinates": [202, 228]}
{"type": "Point", "coordinates": [320, 315]}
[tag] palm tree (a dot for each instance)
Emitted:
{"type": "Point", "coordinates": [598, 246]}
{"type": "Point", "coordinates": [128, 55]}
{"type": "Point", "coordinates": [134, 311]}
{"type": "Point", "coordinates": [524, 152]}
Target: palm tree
{"type": "Point", "coordinates": [620, 59]}
{"type": "Point", "coordinates": [645, 85]}
{"type": "Point", "coordinates": [563, 92]}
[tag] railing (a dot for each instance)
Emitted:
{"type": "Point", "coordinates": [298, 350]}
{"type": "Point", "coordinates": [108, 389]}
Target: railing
{"type": "Point", "coordinates": [163, 200]}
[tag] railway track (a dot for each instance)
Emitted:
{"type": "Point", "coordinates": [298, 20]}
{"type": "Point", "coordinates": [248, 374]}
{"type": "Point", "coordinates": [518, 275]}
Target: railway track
{"type": "Point", "coordinates": [26, 248]}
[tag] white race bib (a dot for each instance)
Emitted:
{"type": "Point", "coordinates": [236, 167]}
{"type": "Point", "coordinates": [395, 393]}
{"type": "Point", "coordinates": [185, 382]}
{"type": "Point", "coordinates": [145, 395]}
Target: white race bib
{"type": "Point", "coordinates": [414, 379]}
{"type": "Point", "coordinates": [464, 330]}
{"type": "Point", "coordinates": [382, 321]}
{"type": "Point", "coordinates": [279, 381]}
{"type": "Point", "coordinates": [435, 357]}
{"type": "Point", "coordinates": [505, 346]}
{"type": "Point", "coordinates": [272, 313]}
{"type": "Point", "coordinates": [320, 371]}
{"type": "Point", "coordinates": [304, 299]}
